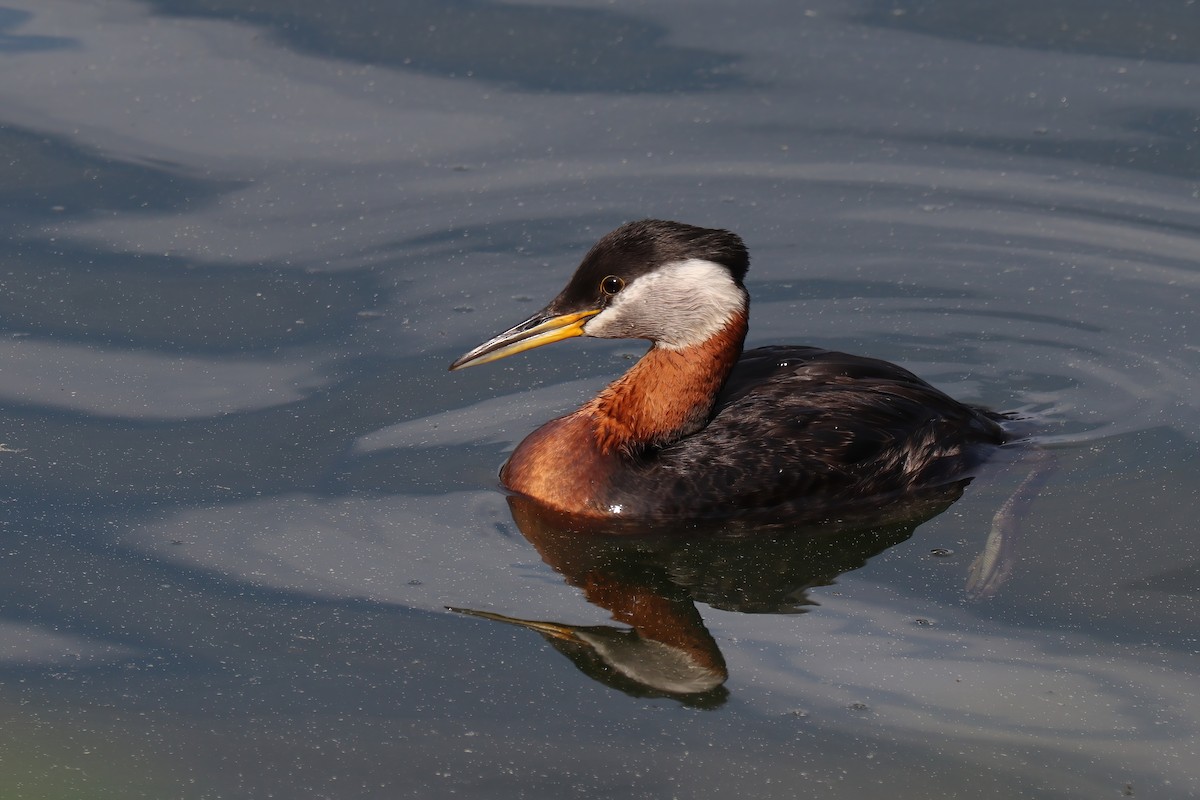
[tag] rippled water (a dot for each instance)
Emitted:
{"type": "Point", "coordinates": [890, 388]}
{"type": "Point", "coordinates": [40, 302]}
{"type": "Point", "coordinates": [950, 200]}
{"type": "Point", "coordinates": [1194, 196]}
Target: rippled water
{"type": "Point", "coordinates": [242, 245]}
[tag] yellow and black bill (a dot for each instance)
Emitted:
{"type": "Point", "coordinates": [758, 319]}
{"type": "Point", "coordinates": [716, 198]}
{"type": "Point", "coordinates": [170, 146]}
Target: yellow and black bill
{"type": "Point", "coordinates": [544, 327]}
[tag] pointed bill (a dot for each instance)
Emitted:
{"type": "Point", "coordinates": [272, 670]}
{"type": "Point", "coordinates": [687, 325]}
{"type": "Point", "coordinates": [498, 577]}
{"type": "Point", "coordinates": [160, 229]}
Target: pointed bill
{"type": "Point", "coordinates": [542, 328]}
{"type": "Point", "coordinates": [556, 630]}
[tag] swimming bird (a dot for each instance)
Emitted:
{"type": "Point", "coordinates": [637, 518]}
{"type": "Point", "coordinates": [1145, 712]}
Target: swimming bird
{"type": "Point", "coordinates": [699, 429]}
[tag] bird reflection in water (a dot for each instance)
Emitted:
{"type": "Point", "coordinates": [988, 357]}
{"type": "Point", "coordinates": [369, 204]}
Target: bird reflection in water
{"type": "Point", "coordinates": [698, 429]}
{"type": "Point", "coordinates": [649, 578]}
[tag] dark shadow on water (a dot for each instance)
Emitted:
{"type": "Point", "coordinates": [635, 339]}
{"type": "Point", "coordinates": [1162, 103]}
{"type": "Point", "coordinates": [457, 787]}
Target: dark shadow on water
{"type": "Point", "coordinates": [539, 48]}
{"type": "Point", "coordinates": [11, 40]}
{"type": "Point", "coordinates": [71, 291]}
{"type": "Point", "coordinates": [48, 177]}
{"type": "Point", "coordinates": [1160, 31]}
{"type": "Point", "coordinates": [165, 304]}
{"type": "Point", "coordinates": [1154, 153]}
{"type": "Point", "coordinates": [650, 580]}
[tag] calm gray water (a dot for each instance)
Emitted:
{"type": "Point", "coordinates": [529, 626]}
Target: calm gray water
{"type": "Point", "coordinates": [242, 242]}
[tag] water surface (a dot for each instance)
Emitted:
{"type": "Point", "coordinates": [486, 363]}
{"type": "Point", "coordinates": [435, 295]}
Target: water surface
{"type": "Point", "coordinates": [242, 491]}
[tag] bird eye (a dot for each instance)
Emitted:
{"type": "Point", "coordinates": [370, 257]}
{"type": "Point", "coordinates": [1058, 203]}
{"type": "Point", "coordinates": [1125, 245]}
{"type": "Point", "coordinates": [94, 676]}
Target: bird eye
{"type": "Point", "coordinates": [611, 285]}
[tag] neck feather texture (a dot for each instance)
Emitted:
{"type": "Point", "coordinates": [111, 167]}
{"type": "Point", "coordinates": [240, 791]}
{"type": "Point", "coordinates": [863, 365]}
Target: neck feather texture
{"type": "Point", "coordinates": [668, 394]}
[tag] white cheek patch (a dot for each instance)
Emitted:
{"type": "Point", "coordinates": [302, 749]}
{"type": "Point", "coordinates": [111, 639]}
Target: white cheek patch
{"type": "Point", "coordinates": [677, 306]}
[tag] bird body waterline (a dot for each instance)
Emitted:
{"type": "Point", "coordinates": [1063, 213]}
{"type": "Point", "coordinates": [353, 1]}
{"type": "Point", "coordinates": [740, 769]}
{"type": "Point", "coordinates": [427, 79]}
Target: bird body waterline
{"type": "Point", "coordinates": [697, 428]}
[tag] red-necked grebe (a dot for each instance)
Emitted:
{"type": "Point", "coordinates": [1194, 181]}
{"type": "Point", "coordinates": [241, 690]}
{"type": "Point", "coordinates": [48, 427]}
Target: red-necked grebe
{"type": "Point", "coordinates": [699, 429]}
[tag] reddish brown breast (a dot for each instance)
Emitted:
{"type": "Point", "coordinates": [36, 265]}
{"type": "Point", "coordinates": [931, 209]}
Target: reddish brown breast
{"type": "Point", "coordinates": [667, 395]}
{"type": "Point", "coordinates": [561, 466]}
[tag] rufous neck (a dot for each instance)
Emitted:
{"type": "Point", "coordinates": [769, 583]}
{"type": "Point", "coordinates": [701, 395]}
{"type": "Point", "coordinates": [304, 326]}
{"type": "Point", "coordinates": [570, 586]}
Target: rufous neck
{"type": "Point", "coordinates": [668, 394]}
